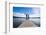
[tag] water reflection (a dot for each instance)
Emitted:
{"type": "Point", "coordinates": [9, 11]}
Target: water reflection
{"type": "Point", "coordinates": [22, 22]}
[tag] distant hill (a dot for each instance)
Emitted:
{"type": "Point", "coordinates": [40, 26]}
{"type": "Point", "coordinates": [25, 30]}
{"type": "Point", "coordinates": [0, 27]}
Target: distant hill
{"type": "Point", "coordinates": [25, 17]}
{"type": "Point", "coordinates": [18, 17]}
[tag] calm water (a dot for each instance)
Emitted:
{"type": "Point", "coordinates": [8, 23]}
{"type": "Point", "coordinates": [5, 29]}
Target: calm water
{"type": "Point", "coordinates": [18, 21]}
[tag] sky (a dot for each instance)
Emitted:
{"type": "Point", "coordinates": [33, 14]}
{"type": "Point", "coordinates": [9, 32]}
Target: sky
{"type": "Point", "coordinates": [22, 10]}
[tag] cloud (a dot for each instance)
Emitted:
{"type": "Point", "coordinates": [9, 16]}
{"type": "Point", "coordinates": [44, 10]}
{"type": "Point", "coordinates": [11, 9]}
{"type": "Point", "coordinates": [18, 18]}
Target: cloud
{"type": "Point", "coordinates": [19, 14]}
{"type": "Point", "coordinates": [35, 13]}
{"type": "Point", "coordinates": [23, 15]}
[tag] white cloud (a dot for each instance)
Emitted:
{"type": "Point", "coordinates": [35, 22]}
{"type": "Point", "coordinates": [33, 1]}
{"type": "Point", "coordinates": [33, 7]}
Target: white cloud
{"type": "Point", "coordinates": [19, 14]}
{"type": "Point", "coordinates": [23, 15]}
{"type": "Point", "coordinates": [34, 15]}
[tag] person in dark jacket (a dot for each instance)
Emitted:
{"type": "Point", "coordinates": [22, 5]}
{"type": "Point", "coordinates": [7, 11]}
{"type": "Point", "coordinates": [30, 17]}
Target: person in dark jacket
{"type": "Point", "coordinates": [27, 16]}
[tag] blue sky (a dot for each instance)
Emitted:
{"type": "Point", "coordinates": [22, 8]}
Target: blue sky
{"type": "Point", "coordinates": [22, 9]}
